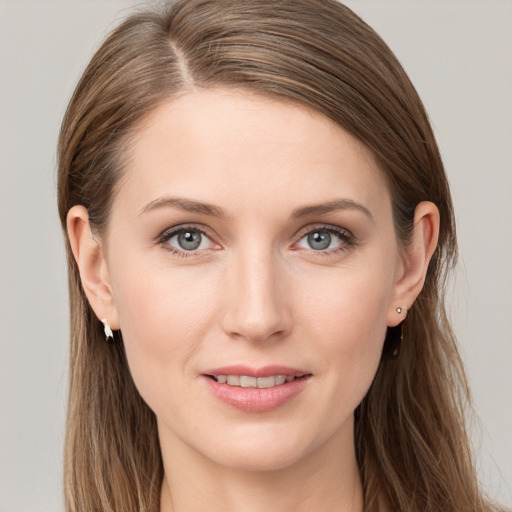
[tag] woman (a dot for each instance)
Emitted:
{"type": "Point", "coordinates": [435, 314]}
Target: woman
{"type": "Point", "coordinates": [259, 223]}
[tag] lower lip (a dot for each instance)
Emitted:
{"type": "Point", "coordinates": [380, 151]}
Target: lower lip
{"type": "Point", "coordinates": [256, 399]}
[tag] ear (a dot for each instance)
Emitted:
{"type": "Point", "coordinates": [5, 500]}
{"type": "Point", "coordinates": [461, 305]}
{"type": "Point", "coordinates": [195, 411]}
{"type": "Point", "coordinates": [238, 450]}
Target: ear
{"type": "Point", "coordinates": [415, 259]}
{"type": "Point", "coordinates": [92, 265]}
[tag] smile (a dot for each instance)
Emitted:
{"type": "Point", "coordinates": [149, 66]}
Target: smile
{"type": "Point", "coordinates": [256, 389]}
{"type": "Point", "coordinates": [246, 381]}
{"type": "Point", "coordinates": [256, 394]}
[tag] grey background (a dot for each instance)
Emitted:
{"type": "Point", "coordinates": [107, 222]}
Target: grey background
{"type": "Point", "coordinates": [458, 54]}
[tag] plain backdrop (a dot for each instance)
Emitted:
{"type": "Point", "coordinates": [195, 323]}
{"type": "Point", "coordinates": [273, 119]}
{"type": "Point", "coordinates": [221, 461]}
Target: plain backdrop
{"type": "Point", "coordinates": [459, 56]}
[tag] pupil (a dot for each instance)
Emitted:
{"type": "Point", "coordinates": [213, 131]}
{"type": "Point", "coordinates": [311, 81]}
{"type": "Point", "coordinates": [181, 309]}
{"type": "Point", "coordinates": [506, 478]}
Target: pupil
{"type": "Point", "coordinates": [319, 240]}
{"type": "Point", "coordinates": [189, 240]}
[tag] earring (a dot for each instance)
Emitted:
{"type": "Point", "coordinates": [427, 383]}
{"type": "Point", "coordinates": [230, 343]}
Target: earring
{"type": "Point", "coordinates": [401, 308]}
{"type": "Point", "coordinates": [108, 330]}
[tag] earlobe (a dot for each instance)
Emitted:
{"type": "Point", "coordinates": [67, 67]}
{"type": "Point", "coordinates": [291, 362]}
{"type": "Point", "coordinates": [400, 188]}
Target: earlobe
{"type": "Point", "coordinates": [415, 261]}
{"type": "Point", "coordinates": [92, 265]}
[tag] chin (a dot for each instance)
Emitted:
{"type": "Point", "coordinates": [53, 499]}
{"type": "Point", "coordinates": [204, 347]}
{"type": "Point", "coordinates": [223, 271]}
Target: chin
{"type": "Point", "coordinates": [259, 460]}
{"type": "Point", "coordinates": [275, 449]}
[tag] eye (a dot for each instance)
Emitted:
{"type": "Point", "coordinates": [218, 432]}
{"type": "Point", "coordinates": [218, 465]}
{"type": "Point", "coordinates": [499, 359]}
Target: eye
{"type": "Point", "coordinates": [326, 239]}
{"type": "Point", "coordinates": [187, 239]}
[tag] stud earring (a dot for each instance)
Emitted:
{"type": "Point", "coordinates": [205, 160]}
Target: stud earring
{"type": "Point", "coordinates": [401, 308]}
{"type": "Point", "coordinates": [107, 329]}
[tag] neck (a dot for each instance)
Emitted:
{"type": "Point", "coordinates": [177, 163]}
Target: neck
{"type": "Point", "coordinates": [327, 480]}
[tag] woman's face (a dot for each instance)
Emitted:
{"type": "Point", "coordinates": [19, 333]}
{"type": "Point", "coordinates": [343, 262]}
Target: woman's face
{"type": "Point", "coordinates": [251, 241]}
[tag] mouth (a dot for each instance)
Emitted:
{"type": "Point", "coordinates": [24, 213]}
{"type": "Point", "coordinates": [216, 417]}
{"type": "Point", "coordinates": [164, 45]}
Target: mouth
{"type": "Point", "coordinates": [248, 381]}
{"type": "Point", "coordinates": [256, 390]}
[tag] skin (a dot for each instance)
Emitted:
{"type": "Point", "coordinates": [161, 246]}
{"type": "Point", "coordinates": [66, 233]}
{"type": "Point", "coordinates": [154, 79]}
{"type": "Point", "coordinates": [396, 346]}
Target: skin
{"type": "Point", "coordinates": [255, 292]}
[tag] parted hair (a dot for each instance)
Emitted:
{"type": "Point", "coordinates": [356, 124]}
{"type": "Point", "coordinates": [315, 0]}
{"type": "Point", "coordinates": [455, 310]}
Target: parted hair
{"type": "Point", "coordinates": [410, 437]}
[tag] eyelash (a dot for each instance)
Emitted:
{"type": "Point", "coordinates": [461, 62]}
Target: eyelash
{"type": "Point", "coordinates": [164, 238]}
{"type": "Point", "coordinates": [346, 236]}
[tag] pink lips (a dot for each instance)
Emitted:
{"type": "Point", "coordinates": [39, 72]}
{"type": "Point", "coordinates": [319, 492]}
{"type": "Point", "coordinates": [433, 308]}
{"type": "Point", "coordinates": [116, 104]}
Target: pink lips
{"type": "Point", "coordinates": [256, 399]}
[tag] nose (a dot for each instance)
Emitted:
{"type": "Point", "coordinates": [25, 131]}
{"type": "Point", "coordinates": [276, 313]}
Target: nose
{"type": "Point", "coordinates": [257, 307]}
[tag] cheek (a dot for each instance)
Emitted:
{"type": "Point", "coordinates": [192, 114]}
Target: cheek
{"type": "Point", "coordinates": [163, 317]}
{"type": "Point", "coordinates": [350, 304]}
{"type": "Point", "coordinates": [349, 323]}
{"type": "Point", "coordinates": [353, 331]}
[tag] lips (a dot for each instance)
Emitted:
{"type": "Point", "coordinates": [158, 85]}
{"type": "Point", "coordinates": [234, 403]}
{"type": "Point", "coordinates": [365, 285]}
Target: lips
{"type": "Point", "coordinates": [256, 390]}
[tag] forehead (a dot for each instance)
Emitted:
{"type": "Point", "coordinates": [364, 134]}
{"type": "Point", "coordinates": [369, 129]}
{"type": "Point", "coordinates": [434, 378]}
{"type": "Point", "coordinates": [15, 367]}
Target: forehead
{"type": "Point", "coordinates": [242, 149]}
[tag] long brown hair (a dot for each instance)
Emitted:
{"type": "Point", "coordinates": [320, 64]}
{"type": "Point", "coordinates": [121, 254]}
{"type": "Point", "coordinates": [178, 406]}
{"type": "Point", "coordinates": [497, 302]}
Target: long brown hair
{"type": "Point", "coordinates": [410, 437]}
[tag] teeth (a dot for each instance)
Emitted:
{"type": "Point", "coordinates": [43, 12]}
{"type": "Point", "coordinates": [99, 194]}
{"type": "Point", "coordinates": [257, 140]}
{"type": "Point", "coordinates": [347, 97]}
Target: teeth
{"type": "Point", "coordinates": [245, 381]}
{"type": "Point", "coordinates": [267, 382]}
{"type": "Point", "coordinates": [233, 380]}
{"type": "Point", "coordinates": [248, 382]}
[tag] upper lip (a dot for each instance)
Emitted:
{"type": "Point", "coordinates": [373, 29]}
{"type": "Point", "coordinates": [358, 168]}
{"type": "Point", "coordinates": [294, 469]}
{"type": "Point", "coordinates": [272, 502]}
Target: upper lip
{"type": "Point", "coordinates": [264, 371]}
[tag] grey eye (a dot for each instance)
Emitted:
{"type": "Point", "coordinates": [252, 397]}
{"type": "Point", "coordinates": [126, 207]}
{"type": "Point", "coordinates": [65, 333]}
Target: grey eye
{"type": "Point", "coordinates": [319, 240]}
{"type": "Point", "coordinates": [189, 240]}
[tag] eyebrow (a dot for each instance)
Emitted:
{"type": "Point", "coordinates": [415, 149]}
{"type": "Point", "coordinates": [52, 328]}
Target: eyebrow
{"type": "Point", "coordinates": [193, 206]}
{"type": "Point", "coordinates": [187, 205]}
{"type": "Point", "coordinates": [331, 206]}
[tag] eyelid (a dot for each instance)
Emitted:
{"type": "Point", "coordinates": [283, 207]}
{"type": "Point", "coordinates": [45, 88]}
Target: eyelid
{"type": "Point", "coordinates": [306, 230]}
{"type": "Point", "coordinates": [168, 233]}
{"type": "Point", "coordinates": [346, 235]}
